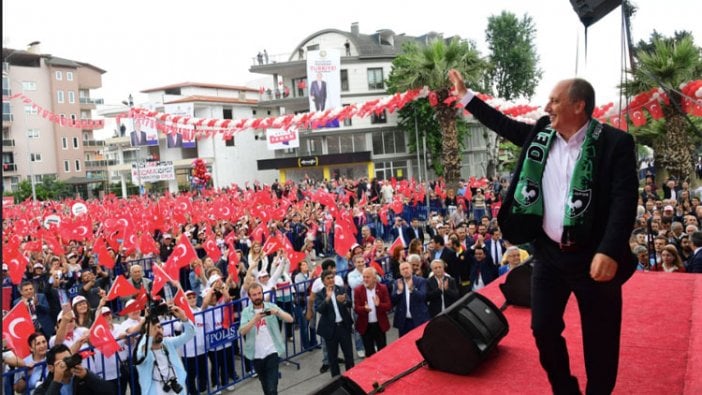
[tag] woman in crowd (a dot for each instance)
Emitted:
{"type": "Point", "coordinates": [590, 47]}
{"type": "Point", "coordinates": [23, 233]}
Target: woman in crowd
{"type": "Point", "coordinates": [670, 260]}
{"type": "Point", "coordinates": [84, 317]}
{"type": "Point", "coordinates": [257, 258]}
{"type": "Point", "coordinates": [38, 345]}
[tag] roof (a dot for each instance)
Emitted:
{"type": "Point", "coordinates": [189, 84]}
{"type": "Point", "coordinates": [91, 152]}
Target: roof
{"type": "Point", "coordinates": [212, 99]}
{"type": "Point", "coordinates": [19, 55]}
{"type": "Point", "coordinates": [368, 45]}
{"type": "Point", "coordinates": [200, 85]}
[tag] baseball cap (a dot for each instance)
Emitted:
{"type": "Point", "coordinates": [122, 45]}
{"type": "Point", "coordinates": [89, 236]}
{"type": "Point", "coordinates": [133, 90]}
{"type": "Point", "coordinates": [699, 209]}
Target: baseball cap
{"type": "Point", "coordinates": [4, 267]}
{"type": "Point", "coordinates": [78, 299]}
{"type": "Point", "coordinates": [167, 236]}
{"type": "Point", "coordinates": [262, 273]}
{"type": "Point", "coordinates": [130, 301]}
{"type": "Point", "coordinates": [213, 279]}
{"type": "Point", "coordinates": [38, 266]}
{"type": "Point", "coordinates": [105, 309]}
{"type": "Point", "coordinates": [189, 292]}
{"type": "Point", "coordinates": [71, 255]}
{"type": "Point", "coordinates": [667, 208]}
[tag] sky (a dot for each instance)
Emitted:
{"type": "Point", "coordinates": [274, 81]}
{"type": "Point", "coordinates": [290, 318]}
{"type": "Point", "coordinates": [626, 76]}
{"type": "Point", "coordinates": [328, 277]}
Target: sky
{"type": "Point", "coordinates": [150, 43]}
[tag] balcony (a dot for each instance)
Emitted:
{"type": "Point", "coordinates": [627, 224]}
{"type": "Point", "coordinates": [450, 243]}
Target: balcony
{"type": "Point", "coordinates": [93, 144]}
{"type": "Point", "coordinates": [90, 100]}
{"type": "Point", "coordinates": [100, 163]}
{"type": "Point", "coordinates": [9, 167]}
{"type": "Point", "coordinates": [8, 142]}
{"type": "Point", "coordinates": [6, 92]}
{"type": "Point", "coordinates": [7, 118]}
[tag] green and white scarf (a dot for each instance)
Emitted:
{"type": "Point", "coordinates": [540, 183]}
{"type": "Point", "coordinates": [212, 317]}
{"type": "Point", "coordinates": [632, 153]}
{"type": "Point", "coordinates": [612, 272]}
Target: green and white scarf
{"type": "Point", "coordinates": [528, 195]}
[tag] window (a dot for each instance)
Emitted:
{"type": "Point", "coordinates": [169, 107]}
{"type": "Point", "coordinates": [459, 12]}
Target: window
{"type": "Point", "coordinates": [69, 76]}
{"type": "Point", "coordinates": [59, 75]}
{"type": "Point", "coordinates": [66, 166]}
{"type": "Point", "coordinates": [85, 115]}
{"type": "Point", "coordinates": [387, 170]}
{"type": "Point", "coordinates": [379, 118]}
{"type": "Point", "coordinates": [347, 121]}
{"type": "Point", "coordinates": [59, 96]}
{"type": "Point", "coordinates": [73, 119]}
{"type": "Point", "coordinates": [6, 91]}
{"type": "Point", "coordinates": [77, 165]}
{"type": "Point", "coordinates": [340, 144]}
{"type": "Point", "coordinates": [30, 110]}
{"type": "Point", "coordinates": [227, 113]}
{"type": "Point", "coordinates": [35, 157]}
{"type": "Point", "coordinates": [64, 143]}
{"type": "Point", "coordinates": [33, 133]}
{"type": "Point", "coordinates": [71, 97]}
{"type": "Point", "coordinates": [375, 78]}
{"type": "Point", "coordinates": [230, 142]}
{"type": "Point", "coordinates": [29, 85]}
{"type": "Point", "coordinates": [75, 143]}
{"type": "Point", "coordinates": [389, 142]}
{"type": "Point", "coordinates": [344, 80]}
{"type": "Point", "coordinates": [14, 183]}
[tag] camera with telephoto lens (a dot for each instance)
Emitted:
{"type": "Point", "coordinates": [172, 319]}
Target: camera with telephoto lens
{"type": "Point", "coordinates": [158, 308]}
{"type": "Point", "coordinates": [72, 361]}
{"type": "Point", "coordinates": [172, 384]}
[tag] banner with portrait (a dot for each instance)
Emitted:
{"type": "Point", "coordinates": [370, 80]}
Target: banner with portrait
{"type": "Point", "coordinates": [186, 137]}
{"type": "Point", "coordinates": [140, 132]}
{"type": "Point", "coordinates": [324, 81]}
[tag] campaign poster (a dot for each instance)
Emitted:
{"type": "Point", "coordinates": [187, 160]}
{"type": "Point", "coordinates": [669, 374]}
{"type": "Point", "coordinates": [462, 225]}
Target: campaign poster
{"type": "Point", "coordinates": [324, 81]}
{"type": "Point", "coordinates": [141, 132]}
{"type": "Point", "coordinates": [282, 138]}
{"type": "Point", "coordinates": [186, 137]}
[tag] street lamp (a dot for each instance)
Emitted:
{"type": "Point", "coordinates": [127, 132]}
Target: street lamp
{"type": "Point", "coordinates": [32, 181]}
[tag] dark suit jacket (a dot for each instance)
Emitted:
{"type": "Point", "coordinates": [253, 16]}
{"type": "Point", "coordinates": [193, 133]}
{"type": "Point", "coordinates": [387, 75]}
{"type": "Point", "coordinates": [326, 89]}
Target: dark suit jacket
{"type": "Point", "coordinates": [91, 384]}
{"type": "Point", "coordinates": [176, 142]}
{"type": "Point", "coordinates": [411, 235]}
{"type": "Point", "coordinates": [319, 93]}
{"type": "Point", "coordinates": [695, 263]}
{"type": "Point", "coordinates": [614, 194]}
{"type": "Point", "coordinates": [137, 138]}
{"type": "Point", "coordinates": [488, 249]}
{"type": "Point", "coordinates": [449, 257]}
{"type": "Point", "coordinates": [418, 303]}
{"type": "Point", "coordinates": [485, 269]}
{"type": "Point", "coordinates": [327, 316]}
{"type": "Point", "coordinates": [41, 306]}
{"type": "Point", "coordinates": [395, 232]}
{"type": "Point", "coordinates": [434, 295]}
{"type": "Point", "coordinates": [359, 302]}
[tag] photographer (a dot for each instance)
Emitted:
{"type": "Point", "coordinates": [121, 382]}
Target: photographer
{"type": "Point", "coordinates": [67, 376]}
{"type": "Point", "coordinates": [265, 344]}
{"type": "Point", "coordinates": [161, 370]}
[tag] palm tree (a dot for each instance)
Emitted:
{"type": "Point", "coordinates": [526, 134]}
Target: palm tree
{"type": "Point", "coordinates": [428, 66]}
{"type": "Point", "coordinates": [667, 63]}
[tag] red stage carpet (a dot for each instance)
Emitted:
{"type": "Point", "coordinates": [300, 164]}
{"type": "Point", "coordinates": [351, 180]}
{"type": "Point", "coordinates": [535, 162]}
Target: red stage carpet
{"type": "Point", "coordinates": [661, 350]}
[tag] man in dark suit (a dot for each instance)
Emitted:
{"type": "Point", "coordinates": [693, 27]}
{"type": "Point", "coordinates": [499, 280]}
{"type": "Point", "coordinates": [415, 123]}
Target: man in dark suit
{"type": "Point", "coordinates": [580, 236]}
{"type": "Point", "coordinates": [694, 264]}
{"type": "Point", "coordinates": [409, 298]}
{"type": "Point", "coordinates": [482, 269]}
{"type": "Point", "coordinates": [318, 91]}
{"type": "Point", "coordinates": [400, 230]}
{"type": "Point", "coordinates": [137, 137]}
{"type": "Point", "coordinates": [438, 250]}
{"type": "Point", "coordinates": [371, 302]}
{"type": "Point", "coordinates": [174, 140]}
{"type": "Point", "coordinates": [38, 308]}
{"type": "Point", "coordinates": [77, 380]}
{"type": "Point", "coordinates": [441, 289]}
{"type": "Point", "coordinates": [495, 246]}
{"type": "Point", "coordinates": [415, 231]}
{"type": "Point", "coordinates": [335, 322]}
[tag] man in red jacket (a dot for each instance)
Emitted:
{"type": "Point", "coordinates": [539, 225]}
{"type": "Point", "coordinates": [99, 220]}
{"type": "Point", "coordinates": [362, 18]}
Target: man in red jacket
{"type": "Point", "coordinates": [372, 303]}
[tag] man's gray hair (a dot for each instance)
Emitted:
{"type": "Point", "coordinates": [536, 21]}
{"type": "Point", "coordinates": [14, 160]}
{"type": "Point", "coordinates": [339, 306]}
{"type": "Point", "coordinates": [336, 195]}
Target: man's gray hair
{"type": "Point", "coordinates": [414, 258]}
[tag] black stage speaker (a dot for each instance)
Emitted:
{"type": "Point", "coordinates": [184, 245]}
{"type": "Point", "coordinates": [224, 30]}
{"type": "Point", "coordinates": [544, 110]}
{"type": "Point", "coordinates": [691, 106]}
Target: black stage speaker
{"type": "Point", "coordinates": [341, 385]}
{"type": "Point", "coordinates": [591, 11]}
{"type": "Point", "coordinates": [517, 285]}
{"type": "Point", "coordinates": [458, 339]}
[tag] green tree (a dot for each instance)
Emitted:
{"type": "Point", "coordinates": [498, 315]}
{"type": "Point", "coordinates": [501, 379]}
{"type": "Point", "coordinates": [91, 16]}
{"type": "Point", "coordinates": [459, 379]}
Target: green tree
{"type": "Point", "coordinates": [513, 70]}
{"type": "Point", "coordinates": [47, 189]}
{"type": "Point", "coordinates": [418, 66]}
{"type": "Point", "coordinates": [667, 62]}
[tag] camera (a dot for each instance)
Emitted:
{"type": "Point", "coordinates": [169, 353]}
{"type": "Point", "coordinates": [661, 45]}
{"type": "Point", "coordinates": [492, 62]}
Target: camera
{"type": "Point", "coordinates": [172, 384]}
{"type": "Point", "coordinates": [72, 361]}
{"type": "Point", "coordinates": [158, 308]}
{"type": "Point", "coordinates": [267, 312]}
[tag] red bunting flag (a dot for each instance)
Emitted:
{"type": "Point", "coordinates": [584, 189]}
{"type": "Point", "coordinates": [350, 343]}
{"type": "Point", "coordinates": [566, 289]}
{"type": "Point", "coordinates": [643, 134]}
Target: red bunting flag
{"type": "Point", "coordinates": [161, 277]}
{"type": "Point", "coordinates": [101, 338]}
{"type": "Point", "coordinates": [182, 255]}
{"type": "Point", "coordinates": [17, 326]}
{"type": "Point", "coordinates": [121, 288]}
{"type": "Point", "coordinates": [210, 246]}
{"type": "Point", "coordinates": [140, 303]}
{"type": "Point", "coordinates": [654, 108]}
{"type": "Point", "coordinates": [181, 301]}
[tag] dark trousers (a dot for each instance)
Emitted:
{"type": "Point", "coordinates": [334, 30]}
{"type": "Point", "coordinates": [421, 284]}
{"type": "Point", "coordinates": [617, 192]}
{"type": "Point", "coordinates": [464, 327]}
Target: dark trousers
{"type": "Point", "coordinates": [340, 337]}
{"type": "Point", "coordinates": [556, 275]}
{"type": "Point", "coordinates": [128, 377]}
{"type": "Point", "coordinates": [223, 371]}
{"type": "Point", "coordinates": [267, 370]}
{"type": "Point", "coordinates": [407, 326]}
{"type": "Point", "coordinates": [197, 369]}
{"type": "Point", "coordinates": [374, 337]}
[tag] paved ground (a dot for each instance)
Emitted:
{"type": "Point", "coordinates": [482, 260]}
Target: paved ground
{"type": "Point", "coordinates": [302, 381]}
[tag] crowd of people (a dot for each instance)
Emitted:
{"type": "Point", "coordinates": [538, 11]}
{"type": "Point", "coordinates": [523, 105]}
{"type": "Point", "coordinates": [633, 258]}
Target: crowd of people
{"type": "Point", "coordinates": [336, 300]}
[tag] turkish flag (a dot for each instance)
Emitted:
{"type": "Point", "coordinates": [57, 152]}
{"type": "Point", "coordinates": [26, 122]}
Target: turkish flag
{"type": "Point", "coordinates": [101, 338]}
{"type": "Point", "coordinates": [210, 246]}
{"type": "Point", "coordinates": [147, 244]}
{"type": "Point", "coordinates": [139, 305]}
{"type": "Point", "coordinates": [182, 255]}
{"type": "Point", "coordinates": [104, 257]}
{"type": "Point", "coordinates": [395, 244]}
{"type": "Point", "coordinates": [130, 241]}
{"type": "Point", "coordinates": [180, 300]}
{"type": "Point", "coordinates": [343, 240]}
{"type": "Point", "coordinates": [121, 288]}
{"type": "Point", "coordinates": [78, 230]}
{"type": "Point", "coordinates": [654, 108]}
{"type": "Point", "coordinates": [17, 326]}
{"type": "Point", "coordinates": [317, 271]}
{"type": "Point", "coordinates": [272, 245]}
{"type": "Point", "coordinates": [396, 206]}
{"type": "Point", "coordinates": [161, 277]}
{"type": "Point", "coordinates": [637, 118]}
{"type": "Point", "coordinates": [378, 268]}
{"type": "Point", "coordinates": [16, 263]}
